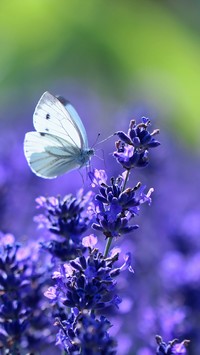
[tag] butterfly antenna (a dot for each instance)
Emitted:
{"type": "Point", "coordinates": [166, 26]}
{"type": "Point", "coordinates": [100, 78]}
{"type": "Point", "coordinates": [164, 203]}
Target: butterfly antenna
{"type": "Point", "coordinates": [96, 140]}
{"type": "Point", "coordinates": [104, 140]}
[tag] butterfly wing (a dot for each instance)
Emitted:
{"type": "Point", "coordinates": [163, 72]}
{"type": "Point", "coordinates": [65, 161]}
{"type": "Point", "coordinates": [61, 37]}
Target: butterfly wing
{"type": "Point", "coordinates": [48, 155]}
{"type": "Point", "coordinates": [52, 117]}
{"type": "Point", "coordinates": [60, 141]}
{"type": "Point", "coordinates": [74, 117]}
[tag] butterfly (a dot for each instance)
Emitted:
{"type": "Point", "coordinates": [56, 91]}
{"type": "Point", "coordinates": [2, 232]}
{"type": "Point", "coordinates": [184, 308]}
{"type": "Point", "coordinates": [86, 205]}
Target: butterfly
{"type": "Point", "coordinates": [60, 142]}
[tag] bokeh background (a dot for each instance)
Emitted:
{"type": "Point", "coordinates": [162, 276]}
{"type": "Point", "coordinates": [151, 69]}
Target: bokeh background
{"type": "Point", "coordinates": [115, 60]}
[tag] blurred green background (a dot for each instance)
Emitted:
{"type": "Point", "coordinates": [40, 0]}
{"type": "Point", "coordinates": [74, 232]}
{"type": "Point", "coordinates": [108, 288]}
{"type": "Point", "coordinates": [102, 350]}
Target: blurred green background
{"type": "Point", "coordinates": [121, 51]}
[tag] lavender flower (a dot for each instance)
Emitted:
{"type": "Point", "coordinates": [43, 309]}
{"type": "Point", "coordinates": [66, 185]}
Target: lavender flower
{"type": "Point", "coordinates": [76, 309]}
{"type": "Point", "coordinates": [83, 333]}
{"type": "Point", "coordinates": [86, 283]}
{"type": "Point", "coordinates": [68, 219]}
{"type": "Point", "coordinates": [132, 148]}
{"type": "Point", "coordinates": [116, 206]}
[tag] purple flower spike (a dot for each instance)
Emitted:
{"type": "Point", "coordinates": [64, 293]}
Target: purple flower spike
{"type": "Point", "coordinates": [86, 283]}
{"type": "Point", "coordinates": [132, 148]}
{"type": "Point", "coordinates": [67, 219]}
{"type": "Point", "coordinates": [116, 206]}
{"type": "Point", "coordinates": [85, 334]}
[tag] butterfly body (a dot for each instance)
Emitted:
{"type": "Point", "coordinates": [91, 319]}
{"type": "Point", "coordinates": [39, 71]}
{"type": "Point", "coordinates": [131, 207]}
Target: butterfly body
{"type": "Point", "coordinates": [59, 143]}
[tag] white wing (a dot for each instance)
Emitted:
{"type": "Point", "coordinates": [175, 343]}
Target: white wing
{"type": "Point", "coordinates": [50, 156]}
{"type": "Point", "coordinates": [75, 117]}
{"type": "Point", "coordinates": [52, 117]}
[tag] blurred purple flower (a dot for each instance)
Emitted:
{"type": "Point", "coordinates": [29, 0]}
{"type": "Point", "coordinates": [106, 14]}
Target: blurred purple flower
{"type": "Point", "coordinates": [172, 347]}
{"type": "Point", "coordinates": [22, 279]}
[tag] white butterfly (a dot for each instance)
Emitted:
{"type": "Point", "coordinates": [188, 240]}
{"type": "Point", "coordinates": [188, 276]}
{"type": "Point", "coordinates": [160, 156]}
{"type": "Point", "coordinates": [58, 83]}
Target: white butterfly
{"type": "Point", "coordinates": [60, 142]}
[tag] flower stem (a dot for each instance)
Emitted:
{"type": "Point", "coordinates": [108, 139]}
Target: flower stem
{"type": "Point", "coordinates": [108, 244]}
{"type": "Point", "coordinates": [126, 179]}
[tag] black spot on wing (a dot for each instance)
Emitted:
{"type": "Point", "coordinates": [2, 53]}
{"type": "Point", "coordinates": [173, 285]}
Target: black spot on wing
{"type": "Point", "coordinates": [47, 116]}
{"type": "Point", "coordinates": [42, 134]}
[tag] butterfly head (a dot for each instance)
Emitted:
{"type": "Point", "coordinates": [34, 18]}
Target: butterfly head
{"type": "Point", "coordinates": [90, 152]}
{"type": "Point", "coordinates": [85, 156]}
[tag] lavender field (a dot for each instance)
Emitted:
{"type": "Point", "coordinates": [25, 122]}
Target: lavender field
{"type": "Point", "coordinates": [104, 259]}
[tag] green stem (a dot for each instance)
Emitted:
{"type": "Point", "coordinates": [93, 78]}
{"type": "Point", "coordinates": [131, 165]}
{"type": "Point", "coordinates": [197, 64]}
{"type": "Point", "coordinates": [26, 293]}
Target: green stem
{"type": "Point", "coordinates": [108, 244]}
